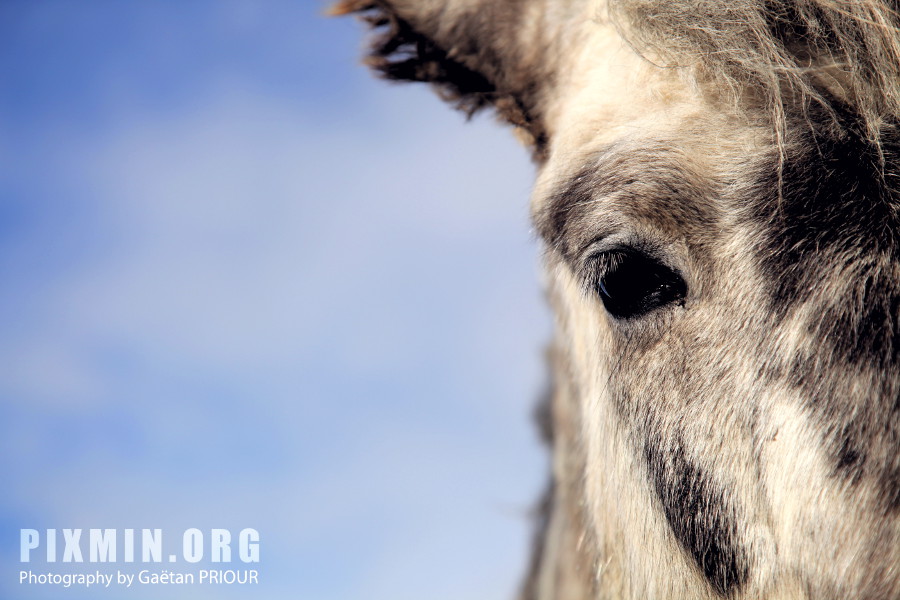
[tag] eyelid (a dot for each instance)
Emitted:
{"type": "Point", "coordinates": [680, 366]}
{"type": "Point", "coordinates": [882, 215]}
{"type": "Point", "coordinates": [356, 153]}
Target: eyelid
{"type": "Point", "coordinates": [608, 260]}
{"type": "Point", "coordinates": [610, 253]}
{"type": "Point", "coordinates": [619, 244]}
{"type": "Point", "coordinates": [607, 243]}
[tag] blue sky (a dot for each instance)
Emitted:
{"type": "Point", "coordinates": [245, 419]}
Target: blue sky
{"type": "Point", "coordinates": [245, 284]}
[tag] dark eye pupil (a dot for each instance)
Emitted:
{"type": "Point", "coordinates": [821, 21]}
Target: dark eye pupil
{"type": "Point", "coordinates": [633, 284]}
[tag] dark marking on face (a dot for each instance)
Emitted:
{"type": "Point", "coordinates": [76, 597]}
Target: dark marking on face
{"type": "Point", "coordinates": [861, 454]}
{"type": "Point", "coordinates": [849, 455]}
{"type": "Point", "coordinates": [833, 244]}
{"type": "Point", "coordinates": [836, 201]}
{"type": "Point", "coordinates": [698, 513]}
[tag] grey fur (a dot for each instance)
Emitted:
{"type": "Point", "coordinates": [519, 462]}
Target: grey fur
{"type": "Point", "coordinates": [740, 439]}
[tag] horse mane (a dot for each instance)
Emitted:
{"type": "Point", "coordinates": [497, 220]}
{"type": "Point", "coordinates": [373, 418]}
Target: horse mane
{"type": "Point", "coordinates": [818, 60]}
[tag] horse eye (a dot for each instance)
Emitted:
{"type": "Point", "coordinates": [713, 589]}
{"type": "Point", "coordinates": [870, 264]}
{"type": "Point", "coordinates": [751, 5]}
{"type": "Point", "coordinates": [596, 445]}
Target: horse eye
{"type": "Point", "coordinates": [631, 284]}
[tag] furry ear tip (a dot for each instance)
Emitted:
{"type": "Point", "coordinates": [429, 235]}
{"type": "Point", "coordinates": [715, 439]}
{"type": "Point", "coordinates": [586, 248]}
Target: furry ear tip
{"type": "Point", "coordinates": [347, 7]}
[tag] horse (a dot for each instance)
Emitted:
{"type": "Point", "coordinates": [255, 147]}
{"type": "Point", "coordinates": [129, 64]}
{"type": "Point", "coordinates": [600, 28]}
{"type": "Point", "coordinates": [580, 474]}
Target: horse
{"type": "Point", "coordinates": [718, 199]}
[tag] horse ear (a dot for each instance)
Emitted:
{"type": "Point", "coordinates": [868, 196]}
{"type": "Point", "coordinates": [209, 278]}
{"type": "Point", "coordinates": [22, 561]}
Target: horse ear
{"type": "Point", "coordinates": [475, 53]}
